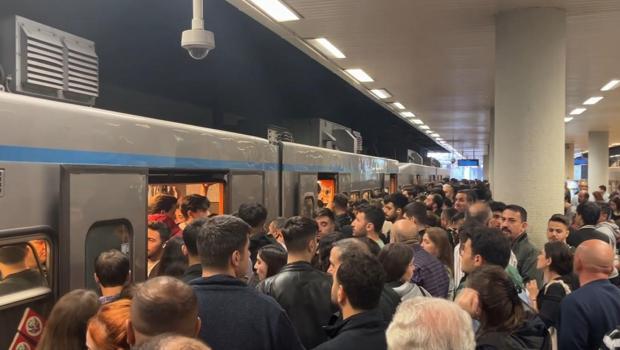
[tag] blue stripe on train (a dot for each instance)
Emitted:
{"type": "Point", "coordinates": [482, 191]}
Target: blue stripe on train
{"type": "Point", "coordinates": [10, 153]}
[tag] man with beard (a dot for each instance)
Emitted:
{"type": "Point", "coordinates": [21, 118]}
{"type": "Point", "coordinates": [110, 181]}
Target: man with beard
{"type": "Point", "coordinates": [434, 203]}
{"type": "Point", "coordinates": [393, 206]}
{"type": "Point", "coordinates": [157, 236]}
{"type": "Point", "coordinates": [463, 199]}
{"type": "Point", "coordinates": [514, 226]}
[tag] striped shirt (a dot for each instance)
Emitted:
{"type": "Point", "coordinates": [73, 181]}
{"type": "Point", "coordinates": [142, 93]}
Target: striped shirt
{"type": "Point", "coordinates": [429, 273]}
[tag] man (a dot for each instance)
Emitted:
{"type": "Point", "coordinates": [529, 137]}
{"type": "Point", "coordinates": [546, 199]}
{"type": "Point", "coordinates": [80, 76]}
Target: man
{"type": "Point", "coordinates": [172, 341]}
{"type": "Point", "coordinates": [514, 226]}
{"type": "Point", "coordinates": [161, 305]}
{"type": "Point", "coordinates": [463, 199]}
{"type": "Point", "coordinates": [341, 211]}
{"type": "Point", "coordinates": [434, 204]}
{"type": "Point", "coordinates": [607, 226]}
{"type": "Point", "coordinates": [583, 197]}
{"type": "Point", "coordinates": [157, 236]}
{"type": "Point", "coordinates": [111, 274]}
{"type": "Point", "coordinates": [582, 188]}
{"type": "Point", "coordinates": [356, 289]}
{"type": "Point", "coordinates": [603, 190]}
{"type": "Point", "coordinates": [194, 207]}
{"type": "Point", "coordinates": [162, 208]}
{"type": "Point", "coordinates": [325, 219]}
{"type": "Point", "coordinates": [235, 316]}
{"type": "Point", "coordinates": [301, 290]}
{"type": "Point", "coordinates": [429, 271]}
{"type": "Point", "coordinates": [557, 228]}
{"type": "Point", "coordinates": [275, 230]}
{"type": "Point", "coordinates": [497, 208]}
{"type": "Point", "coordinates": [16, 276]}
{"type": "Point", "coordinates": [594, 309]}
{"type": "Point", "coordinates": [587, 217]}
{"type": "Point", "coordinates": [421, 323]}
{"type": "Point", "coordinates": [190, 233]}
{"type": "Point", "coordinates": [368, 222]}
{"type": "Point", "coordinates": [448, 191]}
{"type": "Point", "coordinates": [416, 213]}
{"type": "Point", "coordinates": [393, 206]}
{"type": "Point", "coordinates": [255, 215]}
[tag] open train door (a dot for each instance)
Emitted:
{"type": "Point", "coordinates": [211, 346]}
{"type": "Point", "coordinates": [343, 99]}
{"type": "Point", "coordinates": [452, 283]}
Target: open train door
{"type": "Point", "coordinates": [307, 194]}
{"type": "Point", "coordinates": [101, 208]}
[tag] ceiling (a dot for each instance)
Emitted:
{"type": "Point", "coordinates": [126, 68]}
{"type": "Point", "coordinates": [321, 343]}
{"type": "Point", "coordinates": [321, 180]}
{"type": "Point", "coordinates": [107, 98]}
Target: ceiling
{"type": "Point", "coordinates": [437, 57]}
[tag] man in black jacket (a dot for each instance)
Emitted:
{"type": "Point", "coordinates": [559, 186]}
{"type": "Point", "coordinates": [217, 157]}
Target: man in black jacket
{"type": "Point", "coordinates": [300, 289]}
{"type": "Point", "coordinates": [587, 217]}
{"type": "Point", "coordinates": [233, 315]}
{"type": "Point", "coordinates": [190, 233]}
{"type": "Point", "coordinates": [356, 288]}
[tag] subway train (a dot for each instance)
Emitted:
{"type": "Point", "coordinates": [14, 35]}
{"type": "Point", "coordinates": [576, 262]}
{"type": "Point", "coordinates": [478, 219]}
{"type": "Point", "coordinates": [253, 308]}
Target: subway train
{"type": "Point", "coordinates": [75, 181]}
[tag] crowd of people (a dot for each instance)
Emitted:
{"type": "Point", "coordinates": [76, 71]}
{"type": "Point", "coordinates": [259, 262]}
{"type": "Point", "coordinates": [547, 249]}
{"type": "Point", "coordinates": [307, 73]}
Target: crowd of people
{"type": "Point", "coordinates": [443, 266]}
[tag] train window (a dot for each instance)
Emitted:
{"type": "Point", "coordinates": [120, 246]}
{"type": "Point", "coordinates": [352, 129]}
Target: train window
{"type": "Point", "coordinates": [24, 270]}
{"type": "Point", "coordinates": [308, 206]}
{"type": "Point", "coordinates": [102, 236]}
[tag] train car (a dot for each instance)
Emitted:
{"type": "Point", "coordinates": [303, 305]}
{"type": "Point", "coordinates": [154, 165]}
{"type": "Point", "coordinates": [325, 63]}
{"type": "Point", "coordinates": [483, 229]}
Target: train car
{"type": "Point", "coordinates": [410, 174]}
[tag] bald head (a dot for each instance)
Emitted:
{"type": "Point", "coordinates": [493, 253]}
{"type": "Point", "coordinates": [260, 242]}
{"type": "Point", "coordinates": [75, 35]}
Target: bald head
{"type": "Point", "coordinates": [480, 212]}
{"type": "Point", "coordinates": [594, 257]}
{"type": "Point", "coordinates": [161, 305]}
{"type": "Point", "coordinates": [405, 231]}
{"type": "Point", "coordinates": [172, 341]}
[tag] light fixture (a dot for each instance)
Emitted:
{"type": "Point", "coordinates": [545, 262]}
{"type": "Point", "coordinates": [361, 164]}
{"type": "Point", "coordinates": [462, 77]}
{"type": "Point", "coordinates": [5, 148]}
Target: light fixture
{"type": "Point", "coordinates": [435, 135]}
{"type": "Point", "coordinates": [326, 47]}
{"type": "Point", "coordinates": [417, 121]}
{"type": "Point", "coordinates": [429, 131]}
{"type": "Point", "coordinates": [611, 85]}
{"type": "Point", "coordinates": [593, 100]}
{"type": "Point", "coordinates": [398, 105]}
{"type": "Point", "coordinates": [577, 111]}
{"type": "Point", "coordinates": [277, 10]}
{"type": "Point", "coordinates": [381, 93]}
{"type": "Point", "coordinates": [359, 75]}
{"type": "Point", "coordinates": [407, 114]}
{"type": "Point", "coordinates": [568, 119]}
{"type": "Point", "coordinates": [425, 127]}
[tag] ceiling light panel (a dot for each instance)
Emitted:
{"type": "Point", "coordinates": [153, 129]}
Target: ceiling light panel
{"type": "Point", "coordinates": [611, 85]}
{"type": "Point", "coordinates": [429, 131]}
{"type": "Point", "coordinates": [417, 121]}
{"type": "Point", "coordinates": [277, 10]}
{"type": "Point", "coordinates": [398, 105]}
{"type": "Point", "coordinates": [577, 111]}
{"type": "Point", "coordinates": [327, 48]}
{"type": "Point", "coordinates": [568, 119]}
{"type": "Point", "coordinates": [360, 75]}
{"type": "Point", "coordinates": [593, 100]}
{"type": "Point", "coordinates": [424, 127]}
{"type": "Point", "coordinates": [407, 114]}
{"type": "Point", "coordinates": [381, 93]}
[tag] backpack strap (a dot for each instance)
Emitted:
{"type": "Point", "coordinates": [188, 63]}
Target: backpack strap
{"type": "Point", "coordinates": [562, 283]}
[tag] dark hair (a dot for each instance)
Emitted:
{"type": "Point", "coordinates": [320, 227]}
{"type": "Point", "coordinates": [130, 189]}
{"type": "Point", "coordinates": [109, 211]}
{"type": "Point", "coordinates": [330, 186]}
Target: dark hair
{"type": "Point", "coordinates": [298, 232]}
{"type": "Point", "coordinates": [519, 209]}
{"type": "Point", "coordinates": [439, 237]}
{"type": "Point", "coordinates": [219, 237]}
{"type": "Point", "coordinates": [279, 222]}
{"type": "Point", "coordinates": [341, 201]}
{"type": "Point", "coordinates": [398, 199]}
{"type": "Point", "coordinates": [194, 202]}
{"type": "Point", "coordinates": [605, 209]}
{"type": "Point", "coordinates": [617, 201]}
{"type": "Point", "coordinates": [603, 187]}
{"type": "Point", "coordinates": [190, 234]}
{"type": "Point", "coordinates": [395, 258]}
{"type": "Point", "coordinates": [274, 256]}
{"type": "Point", "coordinates": [162, 202]}
{"type": "Point", "coordinates": [437, 199]}
{"type": "Point", "coordinates": [362, 278]}
{"type": "Point", "coordinates": [13, 254]}
{"type": "Point", "coordinates": [112, 268]}
{"type": "Point", "coordinates": [497, 206]}
{"type": "Point", "coordinates": [161, 228]}
{"type": "Point", "coordinates": [470, 195]}
{"type": "Point", "coordinates": [562, 219]}
{"type": "Point", "coordinates": [173, 262]}
{"type": "Point", "coordinates": [373, 247]}
{"type": "Point", "coordinates": [482, 192]}
{"type": "Point", "coordinates": [325, 247]}
{"type": "Point", "coordinates": [491, 244]}
{"type": "Point", "coordinates": [417, 211]}
{"type": "Point", "coordinates": [164, 304]}
{"type": "Point", "coordinates": [502, 310]}
{"type": "Point", "coordinates": [254, 214]}
{"type": "Point", "coordinates": [589, 212]}
{"type": "Point", "coordinates": [374, 215]}
{"type": "Point", "coordinates": [561, 257]}
{"type": "Point", "coordinates": [325, 212]}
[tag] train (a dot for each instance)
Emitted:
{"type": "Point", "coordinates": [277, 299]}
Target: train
{"type": "Point", "coordinates": [76, 180]}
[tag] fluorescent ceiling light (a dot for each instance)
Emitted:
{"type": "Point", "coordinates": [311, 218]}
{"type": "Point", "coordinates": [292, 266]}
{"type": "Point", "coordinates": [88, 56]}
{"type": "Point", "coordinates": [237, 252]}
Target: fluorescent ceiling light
{"type": "Point", "coordinates": [611, 85]}
{"type": "Point", "coordinates": [381, 93]}
{"type": "Point", "coordinates": [435, 135]}
{"type": "Point", "coordinates": [425, 127]}
{"type": "Point", "coordinates": [417, 121]}
{"type": "Point", "coordinates": [577, 111]}
{"type": "Point", "coordinates": [593, 100]}
{"type": "Point", "coordinates": [398, 105]}
{"type": "Point", "coordinates": [568, 119]}
{"type": "Point", "coordinates": [359, 75]}
{"type": "Point", "coordinates": [407, 114]}
{"type": "Point", "coordinates": [277, 10]}
{"type": "Point", "coordinates": [327, 48]}
{"type": "Point", "coordinates": [429, 131]}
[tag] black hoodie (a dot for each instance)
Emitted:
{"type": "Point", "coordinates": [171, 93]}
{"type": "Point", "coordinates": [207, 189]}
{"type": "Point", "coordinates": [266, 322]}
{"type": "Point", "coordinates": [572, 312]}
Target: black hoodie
{"type": "Point", "coordinates": [531, 335]}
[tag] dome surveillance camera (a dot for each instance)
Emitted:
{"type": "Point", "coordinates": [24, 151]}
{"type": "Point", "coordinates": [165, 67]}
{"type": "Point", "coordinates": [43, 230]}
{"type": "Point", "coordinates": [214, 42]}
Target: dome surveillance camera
{"type": "Point", "coordinates": [198, 42]}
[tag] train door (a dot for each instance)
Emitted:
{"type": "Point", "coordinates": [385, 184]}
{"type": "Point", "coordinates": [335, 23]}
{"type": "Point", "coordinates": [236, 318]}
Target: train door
{"type": "Point", "coordinates": [101, 208]}
{"type": "Point", "coordinates": [307, 194]}
{"type": "Point", "coordinates": [328, 187]}
{"type": "Point", "coordinates": [344, 184]}
{"type": "Point", "coordinates": [393, 183]}
{"type": "Point", "coordinates": [248, 188]}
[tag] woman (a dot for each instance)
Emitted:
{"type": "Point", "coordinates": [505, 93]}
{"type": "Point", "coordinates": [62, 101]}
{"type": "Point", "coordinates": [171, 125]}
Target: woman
{"type": "Point", "coordinates": [435, 242]}
{"type": "Point", "coordinates": [397, 261]}
{"type": "Point", "coordinates": [270, 260]}
{"type": "Point", "coordinates": [173, 262]}
{"type": "Point", "coordinates": [556, 263]}
{"type": "Point", "coordinates": [491, 298]}
{"type": "Point", "coordinates": [107, 330]}
{"type": "Point", "coordinates": [66, 326]}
